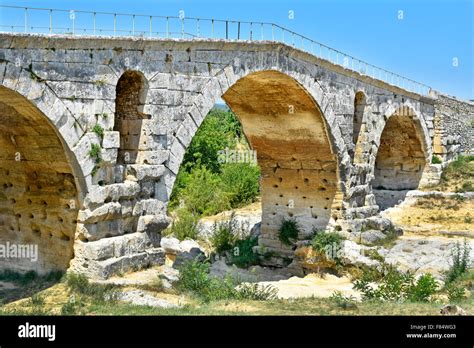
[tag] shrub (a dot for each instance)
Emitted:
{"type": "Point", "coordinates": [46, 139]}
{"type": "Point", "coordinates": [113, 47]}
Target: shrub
{"type": "Point", "coordinates": [256, 292]}
{"type": "Point", "coordinates": [224, 235]}
{"type": "Point", "coordinates": [343, 301]}
{"type": "Point", "coordinates": [203, 194]}
{"type": "Point", "coordinates": [194, 278]}
{"type": "Point", "coordinates": [460, 256]}
{"type": "Point", "coordinates": [242, 254]}
{"type": "Point", "coordinates": [436, 160]}
{"type": "Point", "coordinates": [393, 285]}
{"type": "Point", "coordinates": [455, 293]}
{"type": "Point", "coordinates": [288, 232]}
{"type": "Point", "coordinates": [422, 289]}
{"type": "Point", "coordinates": [186, 225]}
{"type": "Point", "coordinates": [240, 182]}
{"type": "Point", "coordinates": [328, 244]}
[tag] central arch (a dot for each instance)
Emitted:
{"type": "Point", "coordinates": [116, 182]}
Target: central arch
{"type": "Point", "coordinates": [39, 196]}
{"type": "Point", "coordinates": [286, 128]}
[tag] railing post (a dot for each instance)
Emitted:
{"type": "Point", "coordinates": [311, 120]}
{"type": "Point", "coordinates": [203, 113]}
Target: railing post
{"type": "Point", "coordinates": [133, 25]}
{"type": "Point", "coordinates": [26, 19]}
{"type": "Point", "coordinates": [50, 21]}
{"type": "Point", "coordinates": [94, 21]}
{"type": "Point", "coordinates": [227, 30]}
{"type": "Point", "coordinates": [182, 28]}
{"type": "Point", "coordinates": [115, 24]}
{"type": "Point", "coordinates": [167, 27]}
{"type": "Point", "coordinates": [238, 31]}
{"type": "Point", "coordinates": [212, 28]}
{"type": "Point", "coordinates": [151, 29]}
{"type": "Point", "coordinates": [197, 27]}
{"type": "Point", "coordinates": [251, 28]}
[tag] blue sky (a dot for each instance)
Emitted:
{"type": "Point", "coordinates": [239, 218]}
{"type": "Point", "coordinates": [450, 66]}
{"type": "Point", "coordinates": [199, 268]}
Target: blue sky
{"type": "Point", "coordinates": [424, 45]}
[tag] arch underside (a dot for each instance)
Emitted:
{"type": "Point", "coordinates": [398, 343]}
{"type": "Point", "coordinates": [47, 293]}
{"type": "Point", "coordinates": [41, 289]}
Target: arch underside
{"type": "Point", "coordinates": [38, 195]}
{"type": "Point", "coordinates": [400, 160]}
{"type": "Point", "coordinates": [299, 170]}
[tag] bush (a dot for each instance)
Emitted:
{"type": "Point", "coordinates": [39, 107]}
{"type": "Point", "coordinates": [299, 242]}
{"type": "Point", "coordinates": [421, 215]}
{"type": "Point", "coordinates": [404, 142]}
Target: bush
{"type": "Point", "coordinates": [436, 160]}
{"type": "Point", "coordinates": [393, 285]}
{"type": "Point", "coordinates": [422, 289]}
{"type": "Point", "coordinates": [194, 278]}
{"type": "Point", "coordinates": [242, 252]}
{"type": "Point", "coordinates": [224, 235]}
{"type": "Point", "coordinates": [256, 292]}
{"type": "Point", "coordinates": [455, 293]}
{"type": "Point", "coordinates": [460, 261]}
{"type": "Point", "coordinates": [328, 243]}
{"type": "Point", "coordinates": [185, 225]}
{"type": "Point", "coordinates": [288, 232]}
{"type": "Point", "coordinates": [240, 182]}
{"type": "Point", "coordinates": [203, 194]}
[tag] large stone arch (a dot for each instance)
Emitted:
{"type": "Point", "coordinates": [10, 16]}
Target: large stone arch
{"type": "Point", "coordinates": [299, 150]}
{"type": "Point", "coordinates": [402, 156]}
{"type": "Point", "coordinates": [41, 187]}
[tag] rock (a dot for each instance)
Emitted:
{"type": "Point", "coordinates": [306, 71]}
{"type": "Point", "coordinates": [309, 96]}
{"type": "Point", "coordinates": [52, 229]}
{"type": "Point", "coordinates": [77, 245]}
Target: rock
{"type": "Point", "coordinates": [352, 253]}
{"type": "Point", "coordinates": [170, 274]}
{"type": "Point", "coordinates": [190, 250]}
{"type": "Point", "coordinates": [452, 310]}
{"type": "Point", "coordinates": [141, 298]}
{"type": "Point", "coordinates": [171, 245]}
{"type": "Point", "coordinates": [371, 236]}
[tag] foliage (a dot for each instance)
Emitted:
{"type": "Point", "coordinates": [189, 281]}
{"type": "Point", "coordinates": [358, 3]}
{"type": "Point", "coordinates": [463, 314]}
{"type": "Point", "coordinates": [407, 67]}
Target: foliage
{"type": "Point", "coordinates": [393, 285]}
{"type": "Point", "coordinates": [94, 152]}
{"type": "Point", "coordinates": [342, 301]}
{"type": "Point", "coordinates": [455, 292]}
{"type": "Point", "coordinates": [256, 292]}
{"type": "Point", "coordinates": [436, 160]}
{"type": "Point", "coordinates": [98, 130]}
{"type": "Point", "coordinates": [224, 235]}
{"type": "Point", "coordinates": [460, 256]}
{"type": "Point", "coordinates": [201, 174]}
{"type": "Point", "coordinates": [195, 278]}
{"type": "Point", "coordinates": [242, 254]}
{"type": "Point", "coordinates": [240, 182]}
{"type": "Point", "coordinates": [288, 232]}
{"type": "Point", "coordinates": [327, 243]}
{"type": "Point", "coordinates": [202, 194]}
{"type": "Point", "coordinates": [186, 225]}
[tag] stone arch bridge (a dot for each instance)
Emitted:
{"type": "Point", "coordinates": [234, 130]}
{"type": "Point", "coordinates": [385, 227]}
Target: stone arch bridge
{"type": "Point", "coordinates": [338, 145]}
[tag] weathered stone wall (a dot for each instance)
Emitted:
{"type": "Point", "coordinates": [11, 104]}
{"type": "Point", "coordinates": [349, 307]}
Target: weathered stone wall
{"type": "Point", "coordinates": [455, 127]}
{"type": "Point", "coordinates": [307, 155]}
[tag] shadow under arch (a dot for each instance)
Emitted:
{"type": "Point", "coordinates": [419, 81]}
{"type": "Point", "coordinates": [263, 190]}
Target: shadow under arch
{"type": "Point", "coordinates": [41, 188]}
{"type": "Point", "coordinates": [401, 157]}
{"type": "Point", "coordinates": [287, 129]}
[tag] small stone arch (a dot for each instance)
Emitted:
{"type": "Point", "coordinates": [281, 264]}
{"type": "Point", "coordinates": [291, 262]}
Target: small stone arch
{"type": "Point", "coordinates": [130, 98]}
{"type": "Point", "coordinates": [402, 156]}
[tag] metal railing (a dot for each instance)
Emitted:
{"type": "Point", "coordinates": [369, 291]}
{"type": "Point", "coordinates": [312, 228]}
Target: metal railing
{"type": "Point", "coordinates": [76, 22]}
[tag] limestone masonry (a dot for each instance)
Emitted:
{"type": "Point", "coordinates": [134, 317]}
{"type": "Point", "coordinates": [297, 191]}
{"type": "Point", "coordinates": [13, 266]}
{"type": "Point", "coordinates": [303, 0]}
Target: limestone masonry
{"type": "Point", "coordinates": [334, 146]}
